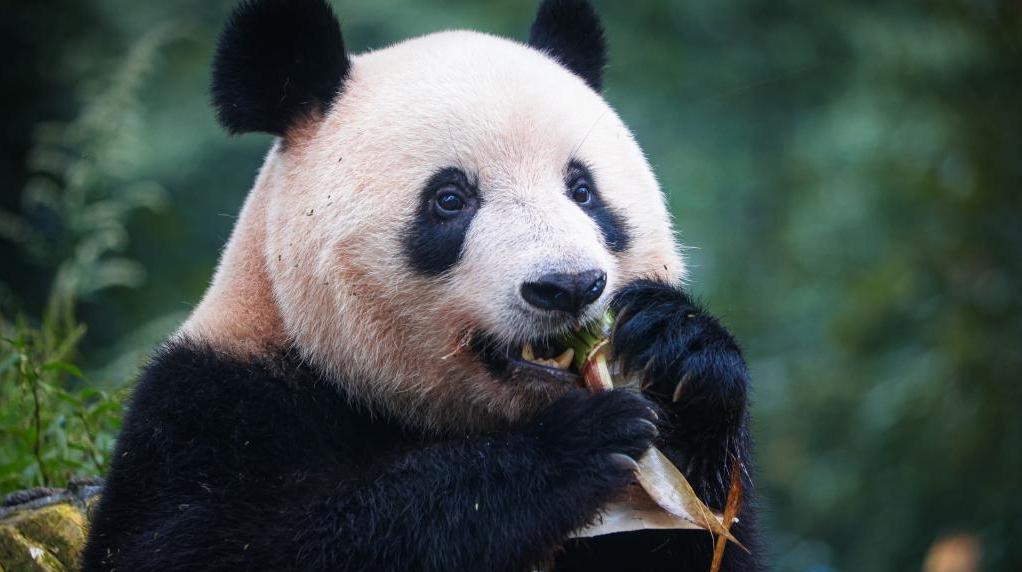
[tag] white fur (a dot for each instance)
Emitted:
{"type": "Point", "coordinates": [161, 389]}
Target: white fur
{"type": "Point", "coordinates": [323, 225]}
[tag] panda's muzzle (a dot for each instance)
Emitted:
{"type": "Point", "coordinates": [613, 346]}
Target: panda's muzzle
{"type": "Point", "coordinates": [538, 360]}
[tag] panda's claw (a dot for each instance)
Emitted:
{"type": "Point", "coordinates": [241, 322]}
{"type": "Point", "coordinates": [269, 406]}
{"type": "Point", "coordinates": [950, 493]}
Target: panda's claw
{"type": "Point", "coordinates": [624, 461]}
{"type": "Point", "coordinates": [679, 389]}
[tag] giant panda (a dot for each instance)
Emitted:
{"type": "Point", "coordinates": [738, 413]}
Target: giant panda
{"type": "Point", "coordinates": [351, 391]}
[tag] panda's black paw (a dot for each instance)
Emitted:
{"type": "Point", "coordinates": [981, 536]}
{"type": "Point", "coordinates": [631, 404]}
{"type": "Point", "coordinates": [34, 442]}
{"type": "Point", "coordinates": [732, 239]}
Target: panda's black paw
{"type": "Point", "coordinates": [686, 360]}
{"type": "Point", "coordinates": [592, 441]}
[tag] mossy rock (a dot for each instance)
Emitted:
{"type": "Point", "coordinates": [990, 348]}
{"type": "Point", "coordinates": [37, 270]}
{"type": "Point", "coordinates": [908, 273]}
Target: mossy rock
{"type": "Point", "coordinates": [44, 532]}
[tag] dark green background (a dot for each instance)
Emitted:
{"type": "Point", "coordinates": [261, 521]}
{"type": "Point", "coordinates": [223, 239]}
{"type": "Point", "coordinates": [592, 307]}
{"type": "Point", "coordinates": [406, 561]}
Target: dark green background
{"type": "Point", "coordinates": [846, 174]}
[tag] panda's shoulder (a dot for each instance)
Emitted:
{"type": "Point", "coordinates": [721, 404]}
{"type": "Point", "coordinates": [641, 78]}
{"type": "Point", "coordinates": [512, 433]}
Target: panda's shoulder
{"type": "Point", "coordinates": [192, 393]}
{"type": "Point", "coordinates": [186, 377]}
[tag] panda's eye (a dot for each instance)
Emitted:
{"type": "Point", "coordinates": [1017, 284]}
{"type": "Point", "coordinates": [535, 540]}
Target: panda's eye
{"type": "Point", "coordinates": [449, 201]}
{"type": "Point", "coordinates": [581, 193]}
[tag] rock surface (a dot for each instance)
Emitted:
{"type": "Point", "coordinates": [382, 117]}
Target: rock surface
{"type": "Point", "coordinates": [43, 530]}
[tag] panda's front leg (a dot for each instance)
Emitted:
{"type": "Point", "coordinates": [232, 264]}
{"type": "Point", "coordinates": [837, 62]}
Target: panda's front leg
{"type": "Point", "coordinates": [693, 368]}
{"type": "Point", "coordinates": [690, 365]}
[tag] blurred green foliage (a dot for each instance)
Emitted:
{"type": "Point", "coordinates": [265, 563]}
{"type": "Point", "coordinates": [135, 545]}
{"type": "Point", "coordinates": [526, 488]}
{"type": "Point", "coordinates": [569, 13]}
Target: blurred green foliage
{"type": "Point", "coordinates": [847, 173]}
{"type": "Point", "coordinates": [78, 195]}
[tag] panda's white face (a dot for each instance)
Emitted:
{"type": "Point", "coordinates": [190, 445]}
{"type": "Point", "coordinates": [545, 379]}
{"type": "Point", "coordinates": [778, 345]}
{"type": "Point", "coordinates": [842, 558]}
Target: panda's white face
{"type": "Point", "coordinates": [464, 197]}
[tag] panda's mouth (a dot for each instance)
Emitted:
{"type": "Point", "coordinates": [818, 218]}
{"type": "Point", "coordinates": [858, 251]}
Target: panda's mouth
{"type": "Point", "coordinates": [537, 360]}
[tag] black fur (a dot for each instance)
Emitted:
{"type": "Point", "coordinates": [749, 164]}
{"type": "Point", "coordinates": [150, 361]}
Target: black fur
{"type": "Point", "coordinates": [433, 243]}
{"type": "Point", "coordinates": [570, 32]}
{"type": "Point", "coordinates": [223, 465]}
{"type": "Point", "coordinates": [277, 61]}
{"type": "Point", "coordinates": [615, 232]}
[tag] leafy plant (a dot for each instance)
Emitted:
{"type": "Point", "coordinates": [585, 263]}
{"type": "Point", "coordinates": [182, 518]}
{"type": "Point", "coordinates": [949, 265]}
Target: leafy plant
{"type": "Point", "coordinates": [55, 431]}
{"type": "Point", "coordinates": [56, 422]}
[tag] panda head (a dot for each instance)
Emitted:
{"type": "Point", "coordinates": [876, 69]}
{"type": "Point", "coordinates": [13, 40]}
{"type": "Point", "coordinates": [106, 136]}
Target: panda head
{"type": "Point", "coordinates": [432, 208]}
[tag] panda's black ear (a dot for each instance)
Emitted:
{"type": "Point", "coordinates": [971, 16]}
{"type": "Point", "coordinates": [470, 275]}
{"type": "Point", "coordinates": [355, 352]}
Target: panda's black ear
{"type": "Point", "coordinates": [570, 31]}
{"type": "Point", "coordinates": [277, 61]}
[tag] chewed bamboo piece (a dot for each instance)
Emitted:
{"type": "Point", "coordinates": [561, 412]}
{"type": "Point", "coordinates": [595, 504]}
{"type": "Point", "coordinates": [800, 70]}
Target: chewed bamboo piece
{"type": "Point", "coordinates": [734, 503]}
{"type": "Point", "coordinates": [664, 484]}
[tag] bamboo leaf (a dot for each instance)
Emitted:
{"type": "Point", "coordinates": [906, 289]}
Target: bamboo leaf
{"type": "Point", "coordinates": [672, 491]}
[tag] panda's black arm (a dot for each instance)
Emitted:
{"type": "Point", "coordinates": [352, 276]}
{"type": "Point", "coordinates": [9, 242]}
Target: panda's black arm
{"type": "Point", "coordinates": [693, 368]}
{"type": "Point", "coordinates": [230, 467]}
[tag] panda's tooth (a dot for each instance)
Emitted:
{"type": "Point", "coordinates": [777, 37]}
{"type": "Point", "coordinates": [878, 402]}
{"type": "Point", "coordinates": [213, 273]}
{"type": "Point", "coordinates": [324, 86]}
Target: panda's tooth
{"type": "Point", "coordinates": [527, 353]}
{"type": "Point", "coordinates": [564, 360]}
{"type": "Point", "coordinates": [560, 362]}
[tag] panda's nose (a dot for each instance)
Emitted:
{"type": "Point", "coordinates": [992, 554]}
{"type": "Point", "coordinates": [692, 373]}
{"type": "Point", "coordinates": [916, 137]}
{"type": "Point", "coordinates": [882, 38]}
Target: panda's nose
{"type": "Point", "coordinates": [565, 292]}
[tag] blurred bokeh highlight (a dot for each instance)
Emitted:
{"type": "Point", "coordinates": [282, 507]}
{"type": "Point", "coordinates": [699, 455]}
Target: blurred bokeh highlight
{"type": "Point", "coordinates": [847, 176]}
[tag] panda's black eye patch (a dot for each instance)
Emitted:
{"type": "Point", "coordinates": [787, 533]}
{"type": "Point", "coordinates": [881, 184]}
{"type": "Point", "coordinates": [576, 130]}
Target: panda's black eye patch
{"type": "Point", "coordinates": [447, 204]}
{"type": "Point", "coordinates": [582, 190]}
